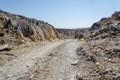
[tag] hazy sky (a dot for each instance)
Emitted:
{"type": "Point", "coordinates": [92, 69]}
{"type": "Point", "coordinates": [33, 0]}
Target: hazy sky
{"type": "Point", "coordinates": [63, 13]}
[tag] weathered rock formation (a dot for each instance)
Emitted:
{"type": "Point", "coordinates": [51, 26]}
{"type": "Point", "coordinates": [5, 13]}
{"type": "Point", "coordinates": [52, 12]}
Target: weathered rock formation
{"type": "Point", "coordinates": [19, 28]}
{"type": "Point", "coordinates": [70, 33]}
{"type": "Point", "coordinates": [106, 27]}
{"type": "Point", "coordinates": [103, 48]}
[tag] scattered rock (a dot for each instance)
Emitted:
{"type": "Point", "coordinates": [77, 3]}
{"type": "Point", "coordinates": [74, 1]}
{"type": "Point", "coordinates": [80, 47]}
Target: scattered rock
{"type": "Point", "coordinates": [75, 62]}
{"type": "Point", "coordinates": [10, 54]}
{"type": "Point", "coordinates": [4, 47]}
{"type": "Point", "coordinates": [95, 74]}
{"type": "Point", "coordinates": [27, 66]}
{"type": "Point", "coordinates": [72, 77]}
{"type": "Point", "coordinates": [31, 76]}
{"type": "Point", "coordinates": [23, 76]}
{"type": "Point", "coordinates": [50, 54]}
{"type": "Point", "coordinates": [97, 63]}
{"type": "Point", "coordinates": [117, 77]}
{"type": "Point", "coordinates": [2, 34]}
{"type": "Point", "coordinates": [113, 53]}
{"type": "Point", "coordinates": [90, 58]}
{"type": "Point", "coordinates": [78, 77]}
{"type": "Point", "coordinates": [80, 51]}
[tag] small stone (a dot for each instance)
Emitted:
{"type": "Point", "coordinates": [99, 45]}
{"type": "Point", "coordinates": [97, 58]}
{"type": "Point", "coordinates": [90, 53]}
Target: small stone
{"type": "Point", "coordinates": [95, 74]}
{"type": "Point", "coordinates": [32, 76]}
{"type": "Point", "coordinates": [2, 47]}
{"type": "Point", "coordinates": [23, 76]}
{"type": "Point", "coordinates": [75, 62]}
{"type": "Point", "coordinates": [27, 66]}
{"type": "Point", "coordinates": [78, 77]}
{"type": "Point", "coordinates": [80, 51]}
{"type": "Point", "coordinates": [117, 77]}
{"type": "Point", "coordinates": [97, 63]}
{"type": "Point", "coordinates": [91, 58]}
{"type": "Point", "coordinates": [50, 54]}
{"type": "Point", "coordinates": [9, 75]}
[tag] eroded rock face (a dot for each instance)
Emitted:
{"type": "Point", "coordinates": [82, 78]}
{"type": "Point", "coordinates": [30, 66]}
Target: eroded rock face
{"type": "Point", "coordinates": [103, 48]}
{"type": "Point", "coordinates": [23, 28]}
{"type": "Point", "coordinates": [106, 27]}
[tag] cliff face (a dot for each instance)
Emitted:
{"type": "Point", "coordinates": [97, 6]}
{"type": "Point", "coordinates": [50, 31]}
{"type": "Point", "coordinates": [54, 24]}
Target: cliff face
{"type": "Point", "coordinates": [17, 27]}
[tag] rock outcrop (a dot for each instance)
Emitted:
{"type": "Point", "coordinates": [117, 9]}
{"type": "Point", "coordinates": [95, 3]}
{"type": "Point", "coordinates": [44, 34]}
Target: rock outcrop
{"type": "Point", "coordinates": [19, 28]}
{"type": "Point", "coordinates": [106, 27]}
{"type": "Point", "coordinates": [102, 48]}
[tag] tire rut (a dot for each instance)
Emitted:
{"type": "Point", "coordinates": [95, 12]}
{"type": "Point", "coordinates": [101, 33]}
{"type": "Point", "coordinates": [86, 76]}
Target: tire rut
{"type": "Point", "coordinates": [57, 64]}
{"type": "Point", "coordinates": [17, 69]}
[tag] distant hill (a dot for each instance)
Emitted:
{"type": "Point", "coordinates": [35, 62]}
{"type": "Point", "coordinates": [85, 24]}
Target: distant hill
{"type": "Point", "coordinates": [71, 33]}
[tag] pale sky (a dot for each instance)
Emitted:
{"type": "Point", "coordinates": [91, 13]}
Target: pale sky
{"type": "Point", "coordinates": [63, 13]}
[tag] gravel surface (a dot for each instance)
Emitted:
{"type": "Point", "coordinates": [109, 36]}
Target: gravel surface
{"type": "Point", "coordinates": [57, 64]}
{"type": "Point", "coordinates": [51, 61]}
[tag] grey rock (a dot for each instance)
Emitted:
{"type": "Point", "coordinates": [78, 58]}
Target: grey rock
{"type": "Point", "coordinates": [90, 58]}
{"type": "Point", "coordinates": [75, 62]}
{"type": "Point", "coordinates": [80, 51]}
{"type": "Point", "coordinates": [117, 77]}
{"type": "Point", "coordinates": [3, 46]}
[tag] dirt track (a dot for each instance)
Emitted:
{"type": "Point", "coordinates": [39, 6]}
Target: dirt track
{"type": "Point", "coordinates": [51, 61]}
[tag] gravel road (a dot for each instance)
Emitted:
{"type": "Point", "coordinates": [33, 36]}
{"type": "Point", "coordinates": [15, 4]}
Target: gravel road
{"type": "Point", "coordinates": [51, 61]}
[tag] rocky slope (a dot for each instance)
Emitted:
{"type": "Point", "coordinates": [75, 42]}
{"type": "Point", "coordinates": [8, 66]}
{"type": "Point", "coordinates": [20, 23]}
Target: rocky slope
{"type": "Point", "coordinates": [19, 29]}
{"type": "Point", "coordinates": [101, 49]}
{"type": "Point", "coordinates": [70, 33]}
{"type": "Point", "coordinates": [106, 27]}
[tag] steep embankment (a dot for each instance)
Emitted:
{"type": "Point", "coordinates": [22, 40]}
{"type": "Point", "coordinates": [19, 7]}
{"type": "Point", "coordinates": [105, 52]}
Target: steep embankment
{"type": "Point", "coordinates": [19, 29]}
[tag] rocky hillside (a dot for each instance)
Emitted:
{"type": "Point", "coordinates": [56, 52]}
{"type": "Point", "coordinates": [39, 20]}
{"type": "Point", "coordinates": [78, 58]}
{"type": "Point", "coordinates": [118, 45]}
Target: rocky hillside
{"type": "Point", "coordinates": [102, 49]}
{"type": "Point", "coordinates": [70, 33]}
{"type": "Point", "coordinates": [19, 29]}
{"type": "Point", "coordinates": [106, 27]}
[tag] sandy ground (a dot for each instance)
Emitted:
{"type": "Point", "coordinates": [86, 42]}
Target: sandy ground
{"type": "Point", "coordinates": [51, 61]}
